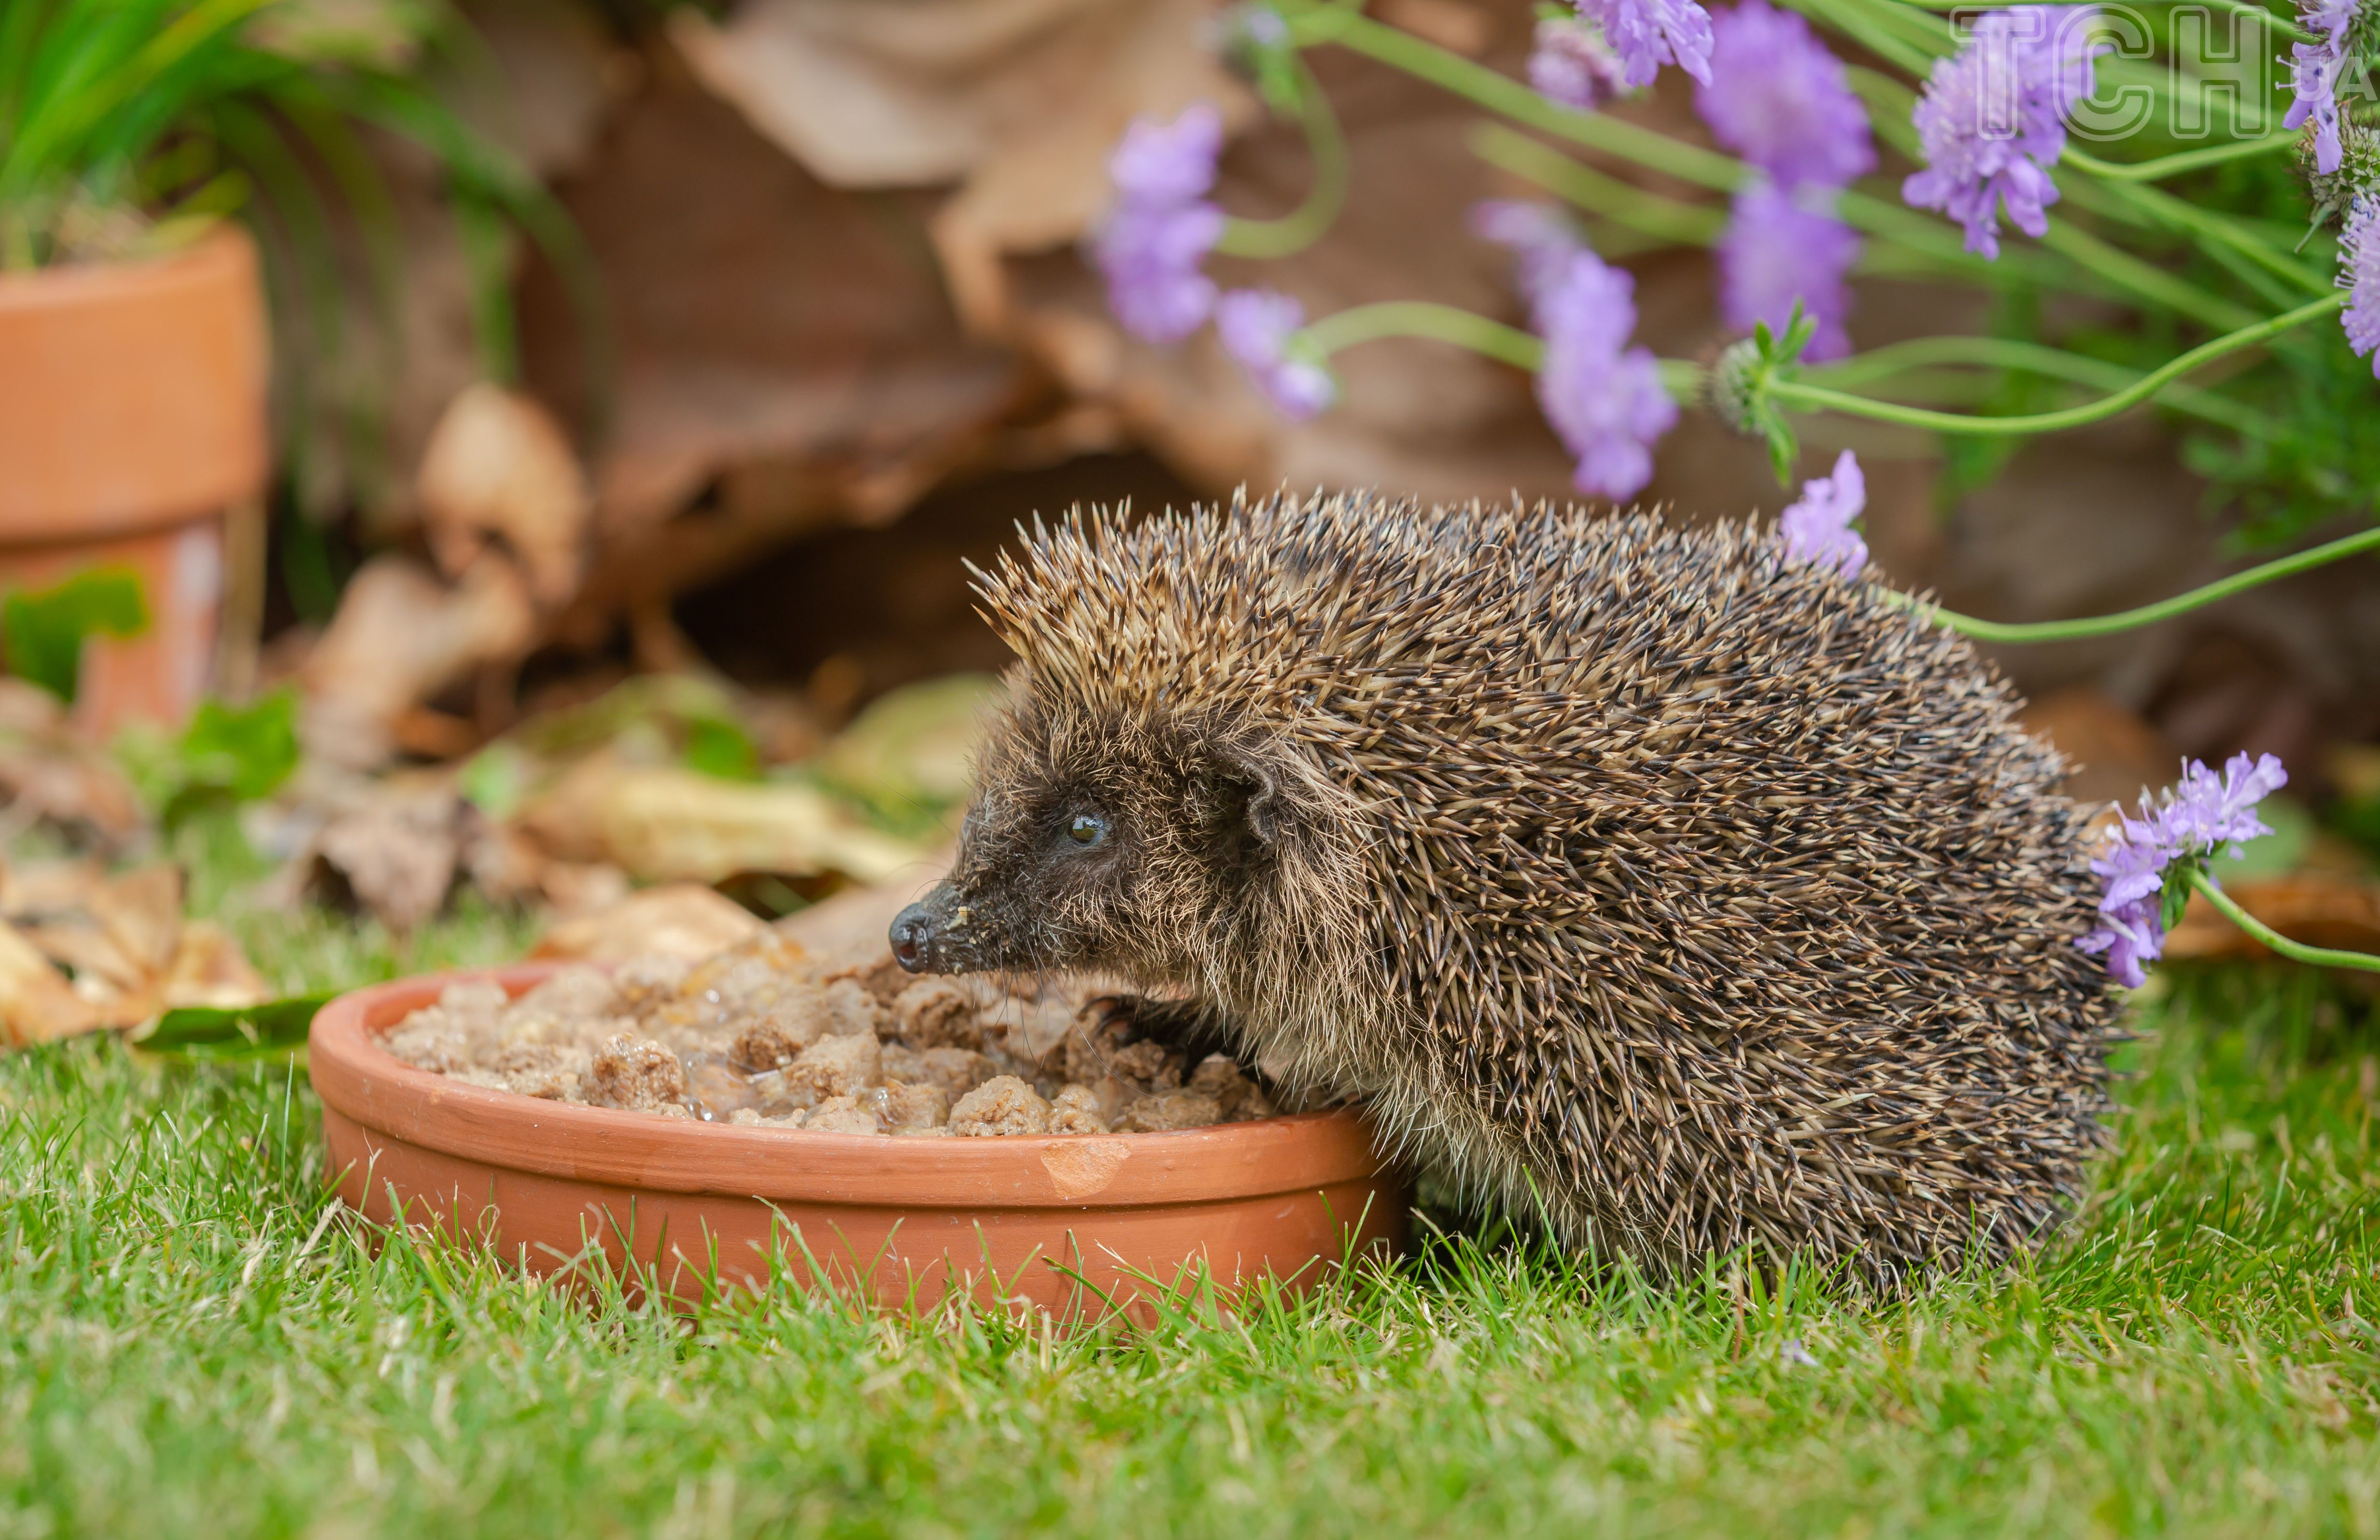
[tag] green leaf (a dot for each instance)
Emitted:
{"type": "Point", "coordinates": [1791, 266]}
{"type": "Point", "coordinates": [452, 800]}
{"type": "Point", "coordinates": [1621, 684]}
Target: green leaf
{"type": "Point", "coordinates": [43, 632]}
{"type": "Point", "coordinates": [247, 751]}
{"type": "Point", "coordinates": [276, 1027]}
{"type": "Point", "coordinates": [718, 747]}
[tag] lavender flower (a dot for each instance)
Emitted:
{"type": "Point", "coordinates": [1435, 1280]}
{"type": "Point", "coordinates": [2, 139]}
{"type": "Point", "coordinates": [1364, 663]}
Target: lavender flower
{"type": "Point", "coordinates": [1572, 65]}
{"type": "Point", "coordinates": [1647, 34]}
{"type": "Point", "coordinates": [2359, 269]}
{"type": "Point", "coordinates": [2199, 815]}
{"type": "Point", "coordinates": [1162, 226]}
{"type": "Point", "coordinates": [1603, 397]}
{"type": "Point", "coordinates": [2314, 71]}
{"type": "Point", "coordinates": [1537, 233]}
{"type": "Point", "coordinates": [1992, 120]}
{"type": "Point", "coordinates": [1818, 531]}
{"type": "Point", "coordinates": [1780, 100]}
{"type": "Point", "coordinates": [1259, 329]}
{"type": "Point", "coordinates": [1780, 249]}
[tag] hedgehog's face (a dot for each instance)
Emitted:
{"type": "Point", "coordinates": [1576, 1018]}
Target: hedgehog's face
{"type": "Point", "coordinates": [1114, 843]}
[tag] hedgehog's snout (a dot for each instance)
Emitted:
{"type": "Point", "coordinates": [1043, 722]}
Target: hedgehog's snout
{"type": "Point", "coordinates": [923, 935]}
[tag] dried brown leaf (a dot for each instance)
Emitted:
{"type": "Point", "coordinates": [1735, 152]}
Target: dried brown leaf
{"type": "Point", "coordinates": [400, 637]}
{"type": "Point", "coordinates": [683, 919]}
{"type": "Point", "coordinates": [37, 1005]}
{"type": "Point", "coordinates": [498, 464]}
{"type": "Point", "coordinates": [395, 853]}
{"type": "Point", "coordinates": [663, 824]}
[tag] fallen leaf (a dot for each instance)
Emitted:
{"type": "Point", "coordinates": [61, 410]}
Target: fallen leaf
{"type": "Point", "coordinates": [37, 1005]}
{"type": "Point", "coordinates": [50, 775]}
{"type": "Point", "coordinates": [141, 914]}
{"type": "Point", "coordinates": [395, 853]}
{"type": "Point", "coordinates": [400, 637]}
{"type": "Point", "coordinates": [682, 919]}
{"type": "Point", "coordinates": [498, 464]}
{"type": "Point", "coordinates": [915, 742]}
{"type": "Point", "coordinates": [815, 363]}
{"type": "Point", "coordinates": [662, 824]}
{"type": "Point", "coordinates": [1018, 101]}
{"type": "Point", "coordinates": [208, 969]}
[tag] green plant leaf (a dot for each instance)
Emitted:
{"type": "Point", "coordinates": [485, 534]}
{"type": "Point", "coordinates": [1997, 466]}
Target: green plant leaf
{"type": "Point", "coordinates": [42, 632]}
{"type": "Point", "coordinates": [247, 751]}
{"type": "Point", "coordinates": [274, 1027]}
{"type": "Point", "coordinates": [718, 747]}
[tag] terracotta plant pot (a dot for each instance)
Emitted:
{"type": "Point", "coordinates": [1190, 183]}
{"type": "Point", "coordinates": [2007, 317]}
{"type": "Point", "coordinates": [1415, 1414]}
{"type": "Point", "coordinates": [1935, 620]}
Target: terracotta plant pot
{"type": "Point", "coordinates": [1007, 1220]}
{"type": "Point", "coordinates": [132, 416]}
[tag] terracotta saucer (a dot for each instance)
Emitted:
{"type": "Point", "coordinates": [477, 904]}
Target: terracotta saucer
{"type": "Point", "coordinates": [1070, 1225]}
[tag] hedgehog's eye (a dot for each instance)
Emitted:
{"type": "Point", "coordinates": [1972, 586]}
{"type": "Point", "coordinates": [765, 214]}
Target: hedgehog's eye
{"type": "Point", "coordinates": [1087, 829]}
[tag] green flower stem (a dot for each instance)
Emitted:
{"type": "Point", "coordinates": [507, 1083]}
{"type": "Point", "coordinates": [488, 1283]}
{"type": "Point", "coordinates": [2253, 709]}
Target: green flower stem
{"type": "Point", "coordinates": [2297, 951]}
{"type": "Point", "coordinates": [1809, 397]}
{"type": "Point", "coordinates": [1465, 329]}
{"type": "Point", "coordinates": [1305, 224]}
{"type": "Point", "coordinates": [2147, 614]}
{"type": "Point", "coordinates": [1426, 318]}
{"type": "Point", "coordinates": [2035, 359]}
{"type": "Point", "coordinates": [1342, 25]}
{"type": "Point", "coordinates": [2163, 166]}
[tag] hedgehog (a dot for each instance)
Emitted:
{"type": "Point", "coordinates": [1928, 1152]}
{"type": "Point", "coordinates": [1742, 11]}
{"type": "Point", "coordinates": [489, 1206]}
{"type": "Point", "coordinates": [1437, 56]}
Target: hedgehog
{"type": "Point", "coordinates": [1679, 899]}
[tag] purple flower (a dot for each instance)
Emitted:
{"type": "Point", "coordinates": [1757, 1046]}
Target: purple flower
{"type": "Point", "coordinates": [2200, 815]}
{"type": "Point", "coordinates": [2314, 71]}
{"type": "Point", "coordinates": [1168, 165]}
{"type": "Point", "coordinates": [1780, 249]}
{"type": "Point", "coordinates": [2205, 811]}
{"type": "Point", "coordinates": [1259, 329]}
{"type": "Point", "coordinates": [2132, 926]}
{"type": "Point", "coordinates": [1572, 65]}
{"type": "Point", "coordinates": [1647, 34]}
{"type": "Point", "coordinates": [1162, 226]}
{"type": "Point", "coordinates": [1992, 120]}
{"type": "Point", "coordinates": [1818, 531]}
{"type": "Point", "coordinates": [1603, 397]}
{"type": "Point", "coordinates": [1543, 238]}
{"type": "Point", "coordinates": [1779, 99]}
{"type": "Point", "coordinates": [2359, 270]}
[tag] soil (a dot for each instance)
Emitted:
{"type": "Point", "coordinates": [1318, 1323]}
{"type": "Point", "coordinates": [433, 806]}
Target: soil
{"type": "Point", "coordinates": [762, 1033]}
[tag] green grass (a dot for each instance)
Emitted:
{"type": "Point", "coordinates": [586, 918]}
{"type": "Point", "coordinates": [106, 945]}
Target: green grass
{"type": "Point", "coordinates": [192, 1343]}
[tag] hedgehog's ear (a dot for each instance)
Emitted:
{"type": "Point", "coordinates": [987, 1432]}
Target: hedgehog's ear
{"type": "Point", "coordinates": [1258, 784]}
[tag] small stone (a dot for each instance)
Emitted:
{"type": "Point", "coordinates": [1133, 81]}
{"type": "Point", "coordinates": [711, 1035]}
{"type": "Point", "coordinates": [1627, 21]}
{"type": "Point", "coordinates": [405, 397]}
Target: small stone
{"type": "Point", "coordinates": [836, 1067]}
{"type": "Point", "coordinates": [955, 1070]}
{"type": "Point", "coordinates": [776, 1040]}
{"type": "Point", "coordinates": [850, 1011]}
{"type": "Point", "coordinates": [636, 1073]}
{"type": "Point", "coordinates": [1151, 1065]}
{"type": "Point", "coordinates": [1253, 1105]}
{"type": "Point", "coordinates": [1217, 1076]}
{"type": "Point", "coordinates": [1000, 1106]}
{"type": "Point", "coordinates": [883, 979]}
{"type": "Point", "coordinates": [902, 1104]}
{"type": "Point", "coordinates": [1075, 1109]}
{"type": "Point", "coordinates": [1168, 1111]}
{"type": "Point", "coordinates": [935, 1013]}
{"type": "Point", "coordinates": [843, 1115]}
{"type": "Point", "coordinates": [540, 1070]}
{"type": "Point", "coordinates": [429, 1039]}
{"type": "Point", "coordinates": [569, 994]}
{"type": "Point", "coordinates": [642, 984]}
